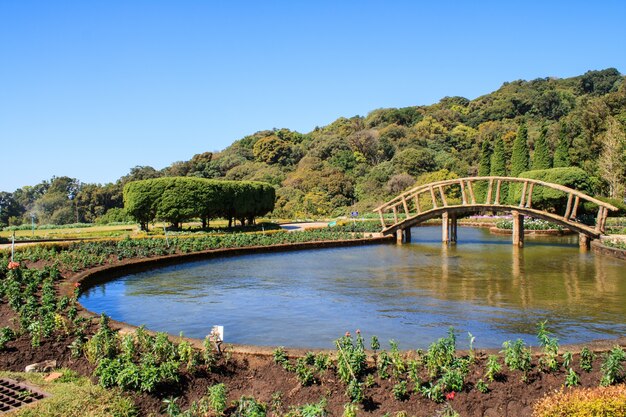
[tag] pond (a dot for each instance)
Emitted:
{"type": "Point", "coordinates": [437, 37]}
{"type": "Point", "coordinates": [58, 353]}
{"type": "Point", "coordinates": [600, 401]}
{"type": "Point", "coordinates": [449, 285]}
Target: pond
{"type": "Point", "coordinates": [410, 293]}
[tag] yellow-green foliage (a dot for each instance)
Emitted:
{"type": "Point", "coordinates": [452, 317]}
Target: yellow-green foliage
{"type": "Point", "coordinates": [73, 396]}
{"type": "Point", "coordinates": [586, 402]}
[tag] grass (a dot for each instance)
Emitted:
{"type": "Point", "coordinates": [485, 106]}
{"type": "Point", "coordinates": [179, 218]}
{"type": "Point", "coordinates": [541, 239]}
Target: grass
{"type": "Point", "coordinates": [73, 233]}
{"type": "Point", "coordinates": [72, 396]}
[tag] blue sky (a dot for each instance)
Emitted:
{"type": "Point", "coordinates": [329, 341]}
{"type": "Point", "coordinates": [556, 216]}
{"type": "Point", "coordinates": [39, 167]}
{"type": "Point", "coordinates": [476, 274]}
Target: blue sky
{"type": "Point", "coordinates": [89, 89]}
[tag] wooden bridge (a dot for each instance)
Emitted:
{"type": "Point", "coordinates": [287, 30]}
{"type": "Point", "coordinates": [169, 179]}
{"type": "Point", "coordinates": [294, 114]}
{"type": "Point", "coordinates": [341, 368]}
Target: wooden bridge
{"type": "Point", "coordinates": [451, 199]}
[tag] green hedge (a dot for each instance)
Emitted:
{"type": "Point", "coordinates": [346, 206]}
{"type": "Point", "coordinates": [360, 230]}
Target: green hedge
{"type": "Point", "coordinates": [549, 199]}
{"type": "Point", "coordinates": [176, 199]}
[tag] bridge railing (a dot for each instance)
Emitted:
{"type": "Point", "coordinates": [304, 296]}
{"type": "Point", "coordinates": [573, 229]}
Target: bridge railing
{"type": "Point", "coordinates": [488, 193]}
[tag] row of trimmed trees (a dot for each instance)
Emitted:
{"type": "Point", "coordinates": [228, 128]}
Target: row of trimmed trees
{"type": "Point", "coordinates": [177, 199]}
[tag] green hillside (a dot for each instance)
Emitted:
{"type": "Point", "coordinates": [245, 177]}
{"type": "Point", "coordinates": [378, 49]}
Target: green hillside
{"type": "Point", "coordinates": [361, 161]}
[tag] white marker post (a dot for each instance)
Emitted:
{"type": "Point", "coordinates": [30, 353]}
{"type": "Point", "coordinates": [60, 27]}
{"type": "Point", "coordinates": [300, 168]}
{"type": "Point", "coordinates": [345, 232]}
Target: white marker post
{"type": "Point", "coordinates": [217, 337]}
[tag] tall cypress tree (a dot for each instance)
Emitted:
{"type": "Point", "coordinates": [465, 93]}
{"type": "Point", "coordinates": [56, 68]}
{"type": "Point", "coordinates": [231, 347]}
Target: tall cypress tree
{"type": "Point", "coordinates": [484, 165]}
{"type": "Point", "coordinates": [520, 158]}
{"type": "Point", "coordinates": [561, 153]}
{"type": "Point", "coordinates": [498, 167]}
{"type": "Point", "coordinates": [541, 157]}
{"type": "Point", "coordinates": [498, 159]}
{"type": "Point", "coordinates": [484, 169]}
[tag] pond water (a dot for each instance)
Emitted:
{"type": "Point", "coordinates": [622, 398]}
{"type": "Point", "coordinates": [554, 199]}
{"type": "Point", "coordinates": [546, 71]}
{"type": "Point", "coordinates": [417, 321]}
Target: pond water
{"type": "Point", "coordinates": [410, 293]}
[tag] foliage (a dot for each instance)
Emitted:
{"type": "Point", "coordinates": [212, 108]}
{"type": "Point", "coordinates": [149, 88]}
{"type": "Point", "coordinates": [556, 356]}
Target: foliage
{"type": "Point", "coordinates": [249, 407]}
{"type": "Point", "coordinates": [612, 367]}
{"type": "Point", "coordinates": [586, 359]}
{"type": "Point", "coordinates": [517, 357]}
{"type": "Point", "coordinates": [587, 402]}
{"type": "Point", "coordinates": [520, 158]}
{"type": "Point", "coordinates": [550, 346]}
{"type": "Point", "coordinates": [176, 199]}
{"type": "Point", "coordinates": [493, 367]}
{"type": "Point", "coordinates": [351, 364]}
{"type": "Point", "coordinates": [546, 198]}
{"type": "Point", "coordinates": [541, 156]}
{"type": "Point", "coordinates": [218, 399]}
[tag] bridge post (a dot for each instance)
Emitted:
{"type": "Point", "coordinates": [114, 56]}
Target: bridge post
{"type": "Point", "coordinates": [403, 236]}
{"type": "Point", "coordinates": [453, 228]}
{"type": "Point", "coordinates": [445, 237]}
{"type": "Point", "coordinates": [583, 242]}
{"type": "Point", "coordinates": [518, 228]}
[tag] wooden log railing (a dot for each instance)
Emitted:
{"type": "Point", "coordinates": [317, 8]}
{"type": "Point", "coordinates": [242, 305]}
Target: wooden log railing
{"type": "Point", "coordinates": [422, 201]}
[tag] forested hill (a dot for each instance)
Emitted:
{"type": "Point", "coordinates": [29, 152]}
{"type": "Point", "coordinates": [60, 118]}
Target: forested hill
{"type": "Point", "coordinates": [360, 161]}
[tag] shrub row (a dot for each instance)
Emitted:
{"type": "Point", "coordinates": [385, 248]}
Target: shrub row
{"type": "Point", "coordinates": [176, 199]}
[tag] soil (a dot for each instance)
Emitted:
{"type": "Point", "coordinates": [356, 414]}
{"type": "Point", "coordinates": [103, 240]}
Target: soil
{"type": "Point", "coordinates": [257, 375]}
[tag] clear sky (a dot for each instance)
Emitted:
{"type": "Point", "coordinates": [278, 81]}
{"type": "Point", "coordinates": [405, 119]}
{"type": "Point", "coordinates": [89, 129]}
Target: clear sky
{"type": "Point", "coordinates": [90, 89]}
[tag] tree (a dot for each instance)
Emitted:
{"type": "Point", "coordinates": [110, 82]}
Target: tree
{"type": "Point", "coordinates": [541, 157]}
{"type": "Point", "coordinates": [415, 161]}
{"type": "Point", "coordinates": [484, 166]}
{"type": "Point", "coordinates": [520, 157]}
{"type": "Point", "coordinates": [498, 166]}
{"type": "Point", "coordinates": [9, 208]}
{"type": "Point", "coordinates": [272, 150]}
{"type": "Point", "coordinates": [612, 160]}
{"type": "Point", "coordinates": [600, 82]}
{"type": "Point", "coordinates": [498, 159]}
{"type": "Point", "coordinates": [561, 153]}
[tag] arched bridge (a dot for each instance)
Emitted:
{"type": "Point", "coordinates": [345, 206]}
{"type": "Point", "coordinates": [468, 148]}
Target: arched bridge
{"type": "Point", "coordinates": [455, 198]}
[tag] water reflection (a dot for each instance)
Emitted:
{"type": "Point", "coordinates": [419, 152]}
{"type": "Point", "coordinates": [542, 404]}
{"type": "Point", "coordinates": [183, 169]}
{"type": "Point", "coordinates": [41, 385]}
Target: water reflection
{"type": "Point", "coordinates": [410, 293]}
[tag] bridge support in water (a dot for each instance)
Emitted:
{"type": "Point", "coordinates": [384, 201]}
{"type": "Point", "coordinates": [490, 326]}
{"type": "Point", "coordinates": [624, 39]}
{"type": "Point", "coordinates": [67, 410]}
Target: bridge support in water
{"type": "Point", "coordinates": [448, 228]}
{"type": "Point", "coordinates": [403, 236]}
{"type": "Point", "coordinates": [518, 228]}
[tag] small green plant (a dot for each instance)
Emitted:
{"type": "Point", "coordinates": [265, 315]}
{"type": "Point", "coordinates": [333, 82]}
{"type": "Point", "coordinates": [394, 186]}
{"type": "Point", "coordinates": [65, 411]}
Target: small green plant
{"type": "Point", "coordinates": [369, 381]}
{"type": "Point", "coordinates": [322, 362]}
{"type": "Point", "coordinates": [550, 347]}
{"type": "Point", "coordinates": [452, 380]}
{"type": "Point", "coordinates": [612, 368]}
{"type": "Point", "coordinates": [350, 410]}
{"type": "Point", "coordinates": [280, 357]}
{"type": "Point", "coordinates": [172, 409]}
{"type": "Point", "coordinates": [397, 362]}
{"type": "Point", "coordinates": [6, 335]}
{"type": "Point", "coordinates": [568, 358]}
{"type": "Point", "coordinates": [383, 365]}
{"type": "Point", "coordinates": [276, 403]}
{"type": "Point", "coordinates": [304, 373]}
{"type": "Point", "coordinates": [400, 391]}
{"type": "Point", "coordinates": [375, 344]}
{"type": "Point", "coordinates": [493, 367]}
{"type": "Point", "coordinates": [572, 379]}
{"type": "Point", "coordinates": [433, 392]}
{"type": "Point", "coordinates": [517, 357]}
{"type": "Point", "coordinates": [586, 359]}
{"type": "Point", "coordinates": [218, 399]}
{"type": "Point", "coordinates": [249, 407]}
{"type": "Point", "coordinates": [482, 386]}
{"type": "Point", "coordinates": [441, 354]}
{"type": "Point", "coordinates": [310, 410]}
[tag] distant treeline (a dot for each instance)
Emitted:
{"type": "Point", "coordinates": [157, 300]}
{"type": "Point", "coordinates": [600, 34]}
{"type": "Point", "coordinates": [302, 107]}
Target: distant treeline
{"type": "Point", "coordinates": [177, 199]}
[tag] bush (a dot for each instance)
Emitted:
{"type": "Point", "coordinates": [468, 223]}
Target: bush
{"type": "Point", "coordinates": [546, 198]}
{"type": "Point", "coordinates": [176, 199]}
{"type": "Point", "coordinates": [114, 215]}
{"type": "Point", "coordinates": [596, 402]}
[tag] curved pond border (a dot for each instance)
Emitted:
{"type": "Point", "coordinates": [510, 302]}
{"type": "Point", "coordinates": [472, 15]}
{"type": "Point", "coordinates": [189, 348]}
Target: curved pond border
{"type": "Point", "coordinates": [105, 273]}
{"type": "Point", "coordinates": [599, 248]}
